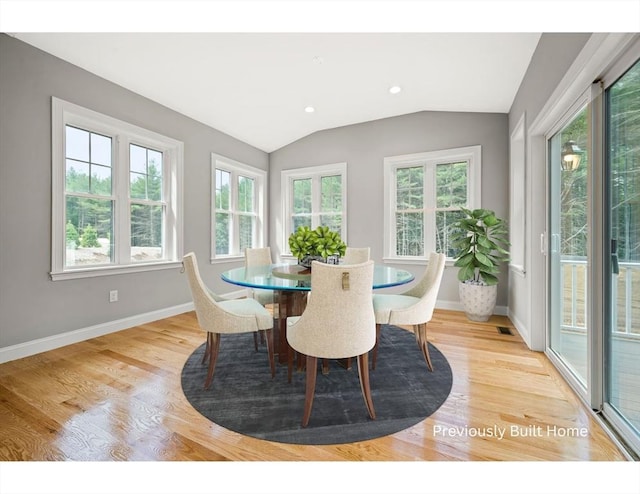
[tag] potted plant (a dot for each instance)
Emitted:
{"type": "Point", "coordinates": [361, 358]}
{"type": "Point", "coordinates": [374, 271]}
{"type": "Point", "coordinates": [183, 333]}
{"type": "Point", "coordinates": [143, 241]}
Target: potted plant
{"type": "Point", "coordinates": [482, 243]}
{"type": "Point", "coordinates": [315, 245]}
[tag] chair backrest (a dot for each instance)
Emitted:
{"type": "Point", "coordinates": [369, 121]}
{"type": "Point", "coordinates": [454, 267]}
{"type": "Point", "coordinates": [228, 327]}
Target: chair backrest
{"type": "Point", "coordinates": [217, 317]}
{"type": "Point", "coordinates": [203, 300]}
{"type": "Point", "coordinates": [429, 285]}
{"type": "Point", "coordinates": [356, 255]}
{"type": "Point", "coordinates": [338, 321]}
{"type": "Point", "coordinates": [260, 256]}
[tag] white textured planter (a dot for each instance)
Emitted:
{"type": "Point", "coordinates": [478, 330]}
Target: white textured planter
{"type": "Point", "coordinates": [478, 301]}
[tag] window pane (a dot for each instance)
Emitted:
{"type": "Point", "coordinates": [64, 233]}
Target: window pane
{"type": "Point", "coordinates": [154, 163]}
{"type": "Point", "coordinates": [410, 234]}
{"type": "Point", "coordinates": [77, 176]}
{"type": "Point", "coordinates": [246, 231]}
{"type": "Point", "coordinates": [154, 185]}
{"type": "Point", "coordinates": [573, 203]}
{"type": "Point", "coordinates": [137, 159]}
{"type": "Point", "coordinates": [222, 233]}
{"type": "Point", "coordinates": [302, 196]}
{"type": "Point", "coordinates": [77, 144]}
{"type": "Point", "coordinates": [333, 221]}
{"type": "Point", "coordinates": [623, 371]}
{"type": "Point", "coordinates": [444, 229]}
{"type": "Point", "coordinates": [101, 150]}
{"type": "Point", "coordinates": [223, 181]}
{"type": "Point", "coordinates": [88, 163]}
{"type": "Point", "coordinates": [301, 221]}
{"type": "Point", "coordinates": [451, 185]}
{"type": "Point", "coordinates": [138, 186]}
{"type": "Point", "coordinates": [245, 194]}
{"type": "Point", "coordinates": [146, 232]}
{"type": "Point", "coordinates": [101, 180]}
{"type": "Point", "coordinates": [89, 231]}
{"type": "Point", "coordinates": [145, 173]}
{"type": "Point", "coordinates": [331, 193]}
{"type": "Point", "coordinates": [410, 188]}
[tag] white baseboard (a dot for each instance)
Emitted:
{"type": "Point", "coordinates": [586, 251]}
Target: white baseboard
{"type": "Point", "coordinates": [500, 310]}
{"type": "Point", "coordinates": [522, 329]}
{"type": "Point", "coordinates": [29, 348]}
{"type": "Point", "coordinates": [34, 347]}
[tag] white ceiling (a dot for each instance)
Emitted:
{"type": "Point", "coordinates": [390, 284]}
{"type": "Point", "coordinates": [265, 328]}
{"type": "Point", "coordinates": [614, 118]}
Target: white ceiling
{"type": "Point", "coordinates": [255, 87]}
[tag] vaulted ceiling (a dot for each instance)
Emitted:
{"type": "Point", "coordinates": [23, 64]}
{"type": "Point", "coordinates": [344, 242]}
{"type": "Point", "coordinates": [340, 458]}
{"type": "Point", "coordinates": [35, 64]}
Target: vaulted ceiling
{"type": "Point", "coordinates": [256, 87]}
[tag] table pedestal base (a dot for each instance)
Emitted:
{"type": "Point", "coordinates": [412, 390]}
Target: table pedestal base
{"type": "Point", "coordinates": [290, 303]}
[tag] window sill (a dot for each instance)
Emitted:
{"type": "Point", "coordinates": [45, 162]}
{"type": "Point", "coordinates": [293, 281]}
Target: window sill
{"type": "Point", "coordinates": [93, 272]}
{"type": "Point", "coordinates": [226, 259]}
{"type": "Point", "coordinates": [413, 260]}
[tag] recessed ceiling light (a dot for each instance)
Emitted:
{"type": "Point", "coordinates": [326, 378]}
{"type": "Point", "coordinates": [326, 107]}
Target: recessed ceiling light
{"type": "Point", "coordinates": [309, 109]}
{"type": "Point", "coordinates": [395, 89]}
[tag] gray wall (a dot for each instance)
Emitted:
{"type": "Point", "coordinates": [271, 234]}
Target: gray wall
{"type": "Point", "coordinates": [553, 56]}
{"type": "Point", "coordinates": [364, 146]}
{"type": "Point", "coordinates": [32, 306]}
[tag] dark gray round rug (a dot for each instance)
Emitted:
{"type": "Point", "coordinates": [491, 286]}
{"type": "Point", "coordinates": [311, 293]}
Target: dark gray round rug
{"type": "Point", "coordinates": [243, 397]}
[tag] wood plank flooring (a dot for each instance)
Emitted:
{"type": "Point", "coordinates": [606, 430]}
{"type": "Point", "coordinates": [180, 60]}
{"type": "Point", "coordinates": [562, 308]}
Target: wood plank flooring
{"type": "Point", "coordinates": [118, 397]}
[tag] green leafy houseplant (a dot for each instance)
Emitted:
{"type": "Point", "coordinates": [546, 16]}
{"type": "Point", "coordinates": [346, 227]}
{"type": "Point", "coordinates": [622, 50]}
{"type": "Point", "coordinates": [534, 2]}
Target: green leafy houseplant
{"type": "Point", "coordinates": [321, 242]}
{"type": "Point", "coordinates": [482, 240]}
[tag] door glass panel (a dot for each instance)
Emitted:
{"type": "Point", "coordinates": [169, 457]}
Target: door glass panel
{"type": "Point", "coordinates": [623, 336]}
{"type": "Point", "coordinates": [569, 262]}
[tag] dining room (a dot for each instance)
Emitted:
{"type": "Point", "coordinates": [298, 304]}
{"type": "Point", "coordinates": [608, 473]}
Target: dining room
{"type": "Point", "coordinates": [146, 186]}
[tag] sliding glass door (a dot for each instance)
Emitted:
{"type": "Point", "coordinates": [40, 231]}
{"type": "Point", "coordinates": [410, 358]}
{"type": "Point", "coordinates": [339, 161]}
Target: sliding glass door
{"type": "Point", "coordinates": [568, 249]}
{"type": "Point", "coordinates": [622, 336]}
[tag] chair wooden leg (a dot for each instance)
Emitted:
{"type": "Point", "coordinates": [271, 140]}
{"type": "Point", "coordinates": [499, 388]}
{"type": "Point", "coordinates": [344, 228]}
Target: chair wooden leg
{"type": "Point", "coordinates": [374, 357]}
{"type": "Point", "coordinates": [207, 348]}
{"type": "Point", "coordinates": [363, 372]}
{"type": "Point", "coordinates": [272, 359]}
{"type": "Point", "coordinates": [312, 370]}
{"type": "Point", "coordinates": [421, 337]}
{"type": "Point", "coordinates": [213, 358]}
{"type": "Point", "coordinates": [325, 366]}
{"type": "Point", "coordinates": [289, 363]}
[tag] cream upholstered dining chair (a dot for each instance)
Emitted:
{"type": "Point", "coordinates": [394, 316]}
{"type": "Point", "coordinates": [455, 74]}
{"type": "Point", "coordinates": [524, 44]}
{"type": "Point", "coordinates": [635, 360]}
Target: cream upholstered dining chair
{"type": "Point", "coordinates": [413, 307]}
{"type": "Point", "coordinates": [218, 317]}
{"type": "Point", "coordinates": [337, 323]}
{"type": "Point", "coordinates": [356, 255]}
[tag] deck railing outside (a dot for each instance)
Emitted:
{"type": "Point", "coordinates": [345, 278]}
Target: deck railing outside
{"type": "Point", "coordinates": [626, 312]}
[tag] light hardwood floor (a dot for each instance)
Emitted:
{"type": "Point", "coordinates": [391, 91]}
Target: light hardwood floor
{"type": "Point", "coordinates": [118, 397]}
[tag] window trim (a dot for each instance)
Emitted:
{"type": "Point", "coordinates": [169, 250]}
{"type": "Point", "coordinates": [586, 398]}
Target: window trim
{"type": "Point", "coordinates": [429, 159]}
{"type": "Point", "coordinates": [236, 168]}
{"type": "Point", "coordinates": [314, 173]}
{"type": "Point", "coordinates": [122, 133]}
{"type": "Point", "coordinates": [517, 191]}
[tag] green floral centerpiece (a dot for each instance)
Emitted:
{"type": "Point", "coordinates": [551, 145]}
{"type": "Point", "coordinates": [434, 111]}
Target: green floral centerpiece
{"type": "Point", "coordinates": [310, 245]}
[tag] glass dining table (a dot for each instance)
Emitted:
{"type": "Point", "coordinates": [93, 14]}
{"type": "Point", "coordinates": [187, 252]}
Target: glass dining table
{"type": "Point", "coordinates": [291, 283]}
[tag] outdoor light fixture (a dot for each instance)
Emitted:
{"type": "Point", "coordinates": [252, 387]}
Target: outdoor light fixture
{"type": "Point", "coordinates": [571, 156]}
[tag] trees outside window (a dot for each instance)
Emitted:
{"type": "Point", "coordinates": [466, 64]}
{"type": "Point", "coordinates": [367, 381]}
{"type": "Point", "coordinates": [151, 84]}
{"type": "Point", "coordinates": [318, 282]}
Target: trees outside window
{"type": "Point", "coordinates": [314, 196]}
{"type": "Point", "coordinates": [424, 197]}
{"type": "Point", "coordinates": [116, 194]}
{"type": "Point", "coordinates": [238, 197]}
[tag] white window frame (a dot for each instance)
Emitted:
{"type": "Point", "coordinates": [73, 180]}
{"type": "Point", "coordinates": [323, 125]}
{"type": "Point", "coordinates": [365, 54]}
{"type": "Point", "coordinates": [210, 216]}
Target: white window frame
{"type": "Point", "coordinates": [430, 159]}
{"type": "Point", "coordinates": [315, 173]}
{"type": "Point", "coordinates": [236, 168]}
{"type": "Point", "coordinates": [123, 134]}
{"type": "Point", "coordinates": [517, 194]}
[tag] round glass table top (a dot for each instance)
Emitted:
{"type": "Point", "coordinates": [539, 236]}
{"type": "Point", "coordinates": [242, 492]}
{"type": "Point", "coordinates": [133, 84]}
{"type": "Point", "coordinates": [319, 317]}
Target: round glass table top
{"type": "Point", "coordinates": [295, 277]}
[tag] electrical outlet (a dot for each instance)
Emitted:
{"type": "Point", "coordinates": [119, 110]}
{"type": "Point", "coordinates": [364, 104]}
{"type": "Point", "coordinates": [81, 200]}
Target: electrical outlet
{"type": "Point", "coordinates": [113, 296]}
